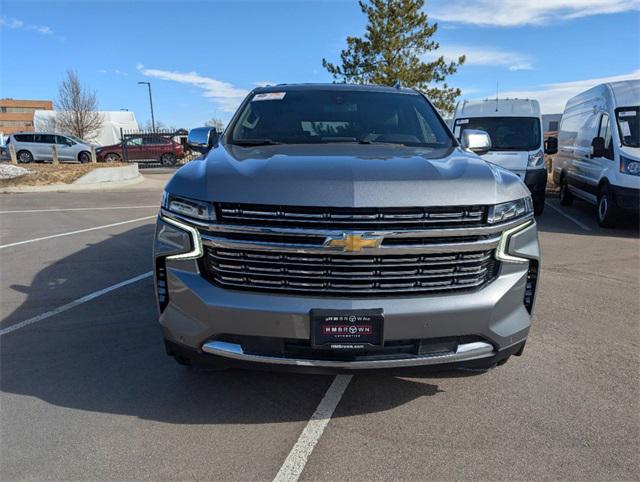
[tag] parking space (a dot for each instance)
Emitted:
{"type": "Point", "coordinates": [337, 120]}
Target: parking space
{"type": "Point", "coordinates": [88, 393]}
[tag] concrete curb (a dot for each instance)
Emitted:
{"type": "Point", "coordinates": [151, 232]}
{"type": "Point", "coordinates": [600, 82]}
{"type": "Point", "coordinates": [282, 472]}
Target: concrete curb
{"type": "Point", "coordinates": [109, 174]}
{"type": "Point", "coordinates": [88, 186]}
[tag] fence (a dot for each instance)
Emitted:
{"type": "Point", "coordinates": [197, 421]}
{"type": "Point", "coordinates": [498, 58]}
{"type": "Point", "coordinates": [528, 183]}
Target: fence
{"type": "Point", "coordinates": [165, 147]}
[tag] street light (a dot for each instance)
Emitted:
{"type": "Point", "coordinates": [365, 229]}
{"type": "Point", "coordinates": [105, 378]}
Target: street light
{"type": "Point", "coordinates": [153, 122]}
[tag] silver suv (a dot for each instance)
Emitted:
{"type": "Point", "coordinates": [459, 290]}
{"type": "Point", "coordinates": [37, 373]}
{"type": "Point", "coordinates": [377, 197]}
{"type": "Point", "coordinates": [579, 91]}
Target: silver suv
{"type": "Point", "coordinates": [341, 227]}
{"type": "Point", "coordinates": [36, 146]}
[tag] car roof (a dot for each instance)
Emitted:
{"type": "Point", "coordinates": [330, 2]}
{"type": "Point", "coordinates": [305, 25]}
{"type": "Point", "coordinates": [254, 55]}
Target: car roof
{"type": "Point", "coordinates": [335, 87]}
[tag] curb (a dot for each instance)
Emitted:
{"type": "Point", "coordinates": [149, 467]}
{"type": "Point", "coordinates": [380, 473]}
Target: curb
{"type": "Point", "coordinates": [98, 186]}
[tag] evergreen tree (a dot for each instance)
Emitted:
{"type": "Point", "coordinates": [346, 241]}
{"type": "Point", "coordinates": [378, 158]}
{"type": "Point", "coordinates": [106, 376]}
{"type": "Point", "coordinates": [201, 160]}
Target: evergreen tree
{"type": "Point", "coordinates": [395, 49]}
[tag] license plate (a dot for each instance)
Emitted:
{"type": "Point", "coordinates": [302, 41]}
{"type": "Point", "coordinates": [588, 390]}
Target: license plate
{"type": "Point", "coordinates": [346, 329]}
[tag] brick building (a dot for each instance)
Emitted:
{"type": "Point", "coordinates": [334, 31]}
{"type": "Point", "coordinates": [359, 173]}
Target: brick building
{"type": "Point", "coordinates": [17, 115]}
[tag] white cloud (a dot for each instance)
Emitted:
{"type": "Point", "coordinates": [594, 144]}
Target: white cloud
{"type": "Point", "coordinates": [226, 95]}
{"type": "Point", "coordinates": [512, 13]}
{"type": "Point", "coordinates": [553, 97]}
{"type": "Point", "coordinates": [14, 24]}
{"type": "Point", "coordinates": [478, 55]}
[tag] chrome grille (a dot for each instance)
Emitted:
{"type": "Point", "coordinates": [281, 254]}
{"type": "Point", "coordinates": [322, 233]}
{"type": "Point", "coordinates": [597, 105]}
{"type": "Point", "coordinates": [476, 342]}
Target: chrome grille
{"type": "Point", "coordinates": [350, 218]}
{"type": "Point", "coordinates": [349, 275]}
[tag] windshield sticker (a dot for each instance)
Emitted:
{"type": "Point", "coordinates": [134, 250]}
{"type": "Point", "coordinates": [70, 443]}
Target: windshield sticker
{"type": "Point", "coordinates": [462, 121]}
{"type": "Point", "coordinates": [269, 96]}
{"type": "Point", "coordinates": [624, 126]}
{"type": "Point", "coordinates": [627, 113]}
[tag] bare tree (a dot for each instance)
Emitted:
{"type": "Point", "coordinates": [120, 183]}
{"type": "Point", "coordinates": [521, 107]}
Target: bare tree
{"type": "Point", "coordinates": [159, 126]}
{"type": "Point", "coordinates": [215, 122]}
{"type": "Point", "coordinates": [77, 108]}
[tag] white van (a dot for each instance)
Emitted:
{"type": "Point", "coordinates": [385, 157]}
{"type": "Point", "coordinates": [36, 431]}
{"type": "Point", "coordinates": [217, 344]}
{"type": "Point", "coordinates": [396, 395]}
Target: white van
{"type": "Point", "coordinates": [599, 150]}
{"type": "Point", "coordinates": [517, 141]}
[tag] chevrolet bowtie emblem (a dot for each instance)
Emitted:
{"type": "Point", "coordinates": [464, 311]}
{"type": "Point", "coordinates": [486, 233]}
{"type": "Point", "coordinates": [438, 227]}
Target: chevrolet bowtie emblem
{"type": "Point", "coordinates": [353, 242]}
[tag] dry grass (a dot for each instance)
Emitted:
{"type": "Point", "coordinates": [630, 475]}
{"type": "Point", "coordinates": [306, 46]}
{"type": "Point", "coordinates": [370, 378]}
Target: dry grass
{"type": "Point", "coordinates": [45, 174]}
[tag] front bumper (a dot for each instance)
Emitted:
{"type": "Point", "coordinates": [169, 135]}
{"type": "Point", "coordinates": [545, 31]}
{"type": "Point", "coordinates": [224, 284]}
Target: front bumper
{"type": "Point", "coordinates": [536, 181]}
{"type": "Point", "coordinates": [626, 198]}
{"type": "Point", "coordinates": [206, 320]}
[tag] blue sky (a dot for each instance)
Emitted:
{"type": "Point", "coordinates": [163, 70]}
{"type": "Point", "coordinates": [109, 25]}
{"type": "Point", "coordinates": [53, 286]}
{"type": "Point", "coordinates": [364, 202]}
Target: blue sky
{"type": "Point", "coordinates": [203, 57]}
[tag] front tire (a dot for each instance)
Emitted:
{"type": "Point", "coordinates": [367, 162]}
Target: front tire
{"type": "Point", "coordinates": [24, 157]}
{"type": "Point", "coordinates": [538, 204]}
{"type": "Point", "coordinates": [566, 198]}
{"type": "Point", "coordinates": [606, 209]}
{"type": "Point", "coordinates": [84, 157]}
{"type": "Point", "coordinates": [168, 159]}
{"type": "Point", "coordinates": [112, 157]}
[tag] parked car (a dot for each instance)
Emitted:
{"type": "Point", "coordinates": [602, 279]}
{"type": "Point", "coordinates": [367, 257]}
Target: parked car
{"type": "Point", "coordinates": [517, 141]}
{"type": "Point", "coordinates": [36, 146]}
{"type": "Point", "coordinates": [599, 150]}
{"type": "Point", "coordinates": [141, 148]}
{"type": "Point", "coordinates": [344, 227]}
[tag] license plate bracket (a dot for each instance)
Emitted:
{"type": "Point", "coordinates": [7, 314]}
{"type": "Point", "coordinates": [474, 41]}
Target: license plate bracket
{"type": "Point", "coordinates": [347, 329]}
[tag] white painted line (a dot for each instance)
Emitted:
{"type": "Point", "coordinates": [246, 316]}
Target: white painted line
{"type": "Point", "coordinates": [18, 243]}
{"type": "Point", "coordinates": [297, 459]}
{"type": "Point", "coordinates": [55, 210]}
{"type": "Point", "coordinates": [73, 304]}
{"type": "Point", "coordinates": [571, 218]}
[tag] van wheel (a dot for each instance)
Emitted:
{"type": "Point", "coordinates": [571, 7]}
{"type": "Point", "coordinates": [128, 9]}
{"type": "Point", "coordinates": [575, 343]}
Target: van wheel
{"type": "Point", "coordinates": [25, 157]}
{"type": "Point", "coordinates": [607, 213]}
{"type": "Point", "coordinates": [168, 159]}
{"type": "Point", "coordinates": [84, 157]}
{"type": "Point", "coordinates": [538, 204]}
{"type": "Point", "coordinates": [566, 198]}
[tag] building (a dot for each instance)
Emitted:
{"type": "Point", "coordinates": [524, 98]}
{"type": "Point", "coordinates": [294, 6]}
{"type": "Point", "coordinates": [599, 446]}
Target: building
{"type": "Point", "coordinates": [17, 115]}
{"type": "Point", "coordinates": [113, 123]}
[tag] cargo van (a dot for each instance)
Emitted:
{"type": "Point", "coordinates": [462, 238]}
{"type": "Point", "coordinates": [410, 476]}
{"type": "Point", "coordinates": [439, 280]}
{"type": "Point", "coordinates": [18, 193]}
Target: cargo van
{"type": "Point", "coordinates": [598, 159]}
{"type": "Point", "coordinates": [517, 142]}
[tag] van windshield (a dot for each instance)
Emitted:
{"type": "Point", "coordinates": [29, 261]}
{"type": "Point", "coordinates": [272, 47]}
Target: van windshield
{"type": "Point", "coordinates": [629, 125]}
{"type": "Point", "coordinates": [316, 116]}
{"type": "Point", "coordinates": [507, 133]}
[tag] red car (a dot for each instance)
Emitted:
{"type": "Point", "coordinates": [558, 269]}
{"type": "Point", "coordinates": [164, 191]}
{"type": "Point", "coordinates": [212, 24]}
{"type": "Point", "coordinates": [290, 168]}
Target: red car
{"type": "Point", "coordinates": [143, 148]}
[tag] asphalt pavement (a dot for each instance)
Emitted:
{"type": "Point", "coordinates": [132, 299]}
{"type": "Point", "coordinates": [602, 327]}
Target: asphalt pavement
{"type": "Point", "coordinates": [87, 392]}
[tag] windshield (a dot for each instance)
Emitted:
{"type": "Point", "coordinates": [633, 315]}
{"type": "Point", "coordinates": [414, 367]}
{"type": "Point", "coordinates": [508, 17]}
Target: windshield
{"type": "Point", "coordinates": [326, 116]}
{"type": "Point", "coordinates": [507, 133]}
{"type": "Point", "coordinates": [77, 139]}
{"type": "Point", "coordinates": [629, 125]}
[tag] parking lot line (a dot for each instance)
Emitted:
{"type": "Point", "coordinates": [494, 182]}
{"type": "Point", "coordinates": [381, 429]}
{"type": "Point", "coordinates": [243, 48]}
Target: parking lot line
{"type": "Point", "coordinates": [73, 304]}
{"type": "Point", "coordinates": [103, 208]}
{"type": "Point", "coordinates": [569, 217]}
{"type": "Point", "coordinates": [17, 243]}
{"type": "Point", "coordinates": [297, 458]}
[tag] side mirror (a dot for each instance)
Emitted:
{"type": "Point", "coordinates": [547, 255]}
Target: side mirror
{"type": "Point", "coordinates": [551, 145]}
{"type": "Point", "coordinates": [476, 141]}
{"type": "Point", "coordinates": [597, 147]}
{"type": "Point", "coordinates": [202, 139]}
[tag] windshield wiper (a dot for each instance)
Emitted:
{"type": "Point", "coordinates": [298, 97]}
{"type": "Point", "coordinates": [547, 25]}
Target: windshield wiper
{"type": "Point", "coordinates": [367, 141]}
{"type": "Point", "coordinates": [255, 142]}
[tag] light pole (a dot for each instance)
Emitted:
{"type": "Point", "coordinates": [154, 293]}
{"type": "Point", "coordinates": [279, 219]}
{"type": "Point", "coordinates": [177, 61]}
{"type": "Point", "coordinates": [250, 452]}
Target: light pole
{"type": "Point", "coordinates": [153, 121]}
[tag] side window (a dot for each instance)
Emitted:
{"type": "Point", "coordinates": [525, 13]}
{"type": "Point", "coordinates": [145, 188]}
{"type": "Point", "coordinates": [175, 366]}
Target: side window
{"type": "Point", "coordinates": [136, 141]}
{"type": "Point", "coordinates": [605, 133]}
{"type": "Point", "coordinates": [47, 139]}
{"type": "Point", "coordinates": [62, 140]}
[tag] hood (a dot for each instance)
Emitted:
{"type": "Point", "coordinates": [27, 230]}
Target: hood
{"type": "Point", "coordinates": [631, 152]}
{"type": "Point", "coordinates": [511, 160]}
{"type": "Point", "coordinates": [345, 175]}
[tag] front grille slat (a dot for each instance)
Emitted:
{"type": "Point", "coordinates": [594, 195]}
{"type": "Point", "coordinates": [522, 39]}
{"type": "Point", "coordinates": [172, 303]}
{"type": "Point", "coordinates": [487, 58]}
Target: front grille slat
{"type": "Point", "coordinates": [350, 218]}
{"type": "Point", "coordinates": [343, 274]}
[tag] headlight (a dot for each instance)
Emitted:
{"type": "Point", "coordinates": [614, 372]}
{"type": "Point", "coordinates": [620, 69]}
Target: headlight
{"type": "Point", "coordinates": [510, 210]}
{"type": "Point", "coordinates": [536, 160]}
{"type": "Point", "coordinates": [629, 166]}
{"type": "Point", "coordinates": [189, 207]}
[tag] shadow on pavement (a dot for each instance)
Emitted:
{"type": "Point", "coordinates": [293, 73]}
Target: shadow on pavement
{"type": "Point", "coordinates": [552, 221]}
{"type": "Point", "coordinates": [107, 356]}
